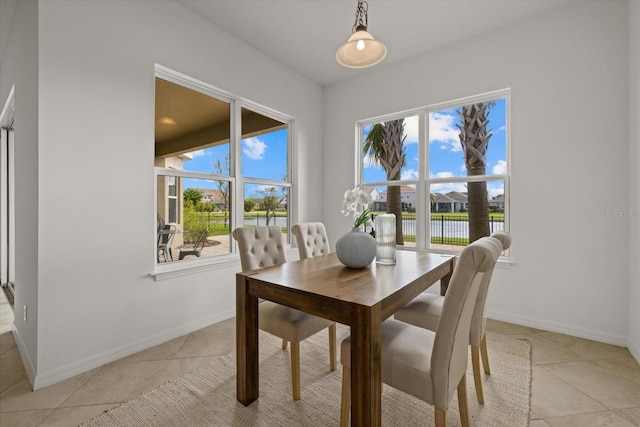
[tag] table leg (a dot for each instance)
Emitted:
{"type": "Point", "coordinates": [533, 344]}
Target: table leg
{"type": "Point", "coordinates": [246, 343]}
{"type": "Point", "coordinates": [366, 378]}
{"type": "Point", "coordinates": [444, 281]}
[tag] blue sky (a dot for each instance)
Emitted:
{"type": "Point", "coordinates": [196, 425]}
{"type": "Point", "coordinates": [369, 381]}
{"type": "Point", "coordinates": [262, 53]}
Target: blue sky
{"type": "Point", "coordinates": [264, 156]}
{"type": "Point", "coordinates": [446, 158]}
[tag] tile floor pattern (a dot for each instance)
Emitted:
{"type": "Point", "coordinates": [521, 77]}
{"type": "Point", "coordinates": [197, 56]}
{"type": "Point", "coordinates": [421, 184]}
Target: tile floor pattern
{"type": "Point", "coordinates": [576, 382]}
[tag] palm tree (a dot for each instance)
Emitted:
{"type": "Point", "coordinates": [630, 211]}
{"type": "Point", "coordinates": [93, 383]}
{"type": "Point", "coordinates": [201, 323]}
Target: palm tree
{"type": "Point", "coordinates": [474, 139]}
{"type": "Point", "coordinates": [384, 147]}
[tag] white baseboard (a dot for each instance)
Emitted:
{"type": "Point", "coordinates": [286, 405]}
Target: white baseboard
{"type": "Point", "coordinates": [24, 355]}
{"type": "Point", "coordinates": [590, 334]}
{"type": "Point", "coordinates": [53, 376]}
{"type": "Point", "coordinates": [634, 349]}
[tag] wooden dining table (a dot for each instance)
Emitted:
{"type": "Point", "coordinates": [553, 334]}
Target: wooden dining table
{"type": "Point", "coordinates": [360, 298]}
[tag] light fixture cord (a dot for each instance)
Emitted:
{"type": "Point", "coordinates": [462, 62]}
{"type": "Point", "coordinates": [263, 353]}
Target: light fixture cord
{"type": "Point", "coordinates": [362, 19]}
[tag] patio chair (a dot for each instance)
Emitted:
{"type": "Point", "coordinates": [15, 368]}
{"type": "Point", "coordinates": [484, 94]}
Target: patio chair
{"type": "Point", "coordinates": [262, 247]}
{"type": "Point", "coordinates": [425, 310]}
{"type": "Point", "coordinates": [431, 365]}
{"type": "Point", "coordinates": [165, 239]}
{"type": "Point", "coordinates": [198, 245]}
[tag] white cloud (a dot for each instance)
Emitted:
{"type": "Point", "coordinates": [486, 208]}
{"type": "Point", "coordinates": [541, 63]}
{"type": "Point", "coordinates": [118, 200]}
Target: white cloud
{"type": "Point", "coordinates": [254, 148]}
{"type": "Point", "coordinates": [495, 188]}
{"type": "Point", "coordinates": [441, 175]}
{"type": "Point", "coordinates": [442, 129]}
{"type": "Point", "coordinates": [197, 153]}
{"type": "Point", "coordinates": [370, 162]}
{"type": "Point", "coordinates": [460, 187]}
{"type": "Point", "coordinates": [500, 168]}
{"type": "Point", "coordinates": [409, 174]}
{"type": "Point", "coordinates": [411, 130]}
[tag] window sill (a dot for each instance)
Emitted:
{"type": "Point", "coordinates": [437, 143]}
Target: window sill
{"type": "Point", "coordinates": [186, 267]}
{"type": "Point", "coordinates": [199, 265]}
{"type": "Point", "coordinates": [505, 263]}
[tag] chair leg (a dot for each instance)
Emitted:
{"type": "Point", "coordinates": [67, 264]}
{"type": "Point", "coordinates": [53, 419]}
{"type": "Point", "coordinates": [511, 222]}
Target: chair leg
{"type": "Point", "coordinates": [345, 400]}
{"type": "Point", "coordinates": [485, 355]}
{"type": "Point", "coordinates": [295, 369]}
{"type": "Point", "coordinates": [441, 417]}
{"type": "Point", "coordinates": [332, 347]}
{"type": "Point", "coordinates": [284, 344]}
{"type": "Point", "coordinates": [462, 401]}
{"type": "Point", "coordinates": [475, 361]}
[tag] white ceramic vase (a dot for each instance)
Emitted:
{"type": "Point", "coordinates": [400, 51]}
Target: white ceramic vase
{"type": "Point", "coordinates": [356, 249]}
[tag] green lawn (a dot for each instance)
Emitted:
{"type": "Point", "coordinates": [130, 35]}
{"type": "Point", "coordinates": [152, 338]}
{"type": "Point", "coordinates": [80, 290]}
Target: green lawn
{"type": "Point", "coordinates": [218, 223]}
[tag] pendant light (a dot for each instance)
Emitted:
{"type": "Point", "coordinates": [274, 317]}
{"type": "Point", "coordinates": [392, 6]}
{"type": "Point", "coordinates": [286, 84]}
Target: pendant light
{"type": "Point", "coordinates": [361, 50]}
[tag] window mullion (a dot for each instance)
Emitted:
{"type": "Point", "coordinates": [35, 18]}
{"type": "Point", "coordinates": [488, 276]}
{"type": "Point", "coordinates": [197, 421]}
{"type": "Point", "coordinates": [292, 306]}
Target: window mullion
{"type": "Point", "coordinates": [423, 230]}
{"type": "Point", "coordinates": [236, 167]}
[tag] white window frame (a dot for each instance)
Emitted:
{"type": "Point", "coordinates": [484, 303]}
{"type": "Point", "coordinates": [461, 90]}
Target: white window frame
{"type": "Point", "coordinates": [424, 182]}
{"type": "Point", "coordinates": [235, 178]}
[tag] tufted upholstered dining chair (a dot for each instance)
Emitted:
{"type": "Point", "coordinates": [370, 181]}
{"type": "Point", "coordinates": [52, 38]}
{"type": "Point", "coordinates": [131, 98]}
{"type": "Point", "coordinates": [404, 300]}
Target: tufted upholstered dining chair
{"type": "Point", "coordinates": [262, 247]}
{"type": "Point", "coordinates": [426, 364]}
{"type": "Point", "coordinates": [424, 311]}
{"type": "Point", "coordinates": [312, 240]}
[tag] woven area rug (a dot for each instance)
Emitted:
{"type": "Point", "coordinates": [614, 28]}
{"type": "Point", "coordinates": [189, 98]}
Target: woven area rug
{"type": "Point", "coordinates": [207, 396]}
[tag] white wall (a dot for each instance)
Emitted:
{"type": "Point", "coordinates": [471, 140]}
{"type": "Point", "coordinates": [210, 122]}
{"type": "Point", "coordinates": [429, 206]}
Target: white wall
{"type": "Point", "coordinates": [634, 178]}
{"type": "Point", "coordinates": [19, 68]}
{"type": "Point", "coordinates": [95, 203]}
{"type": "Point", "coordinates": [569, 78]}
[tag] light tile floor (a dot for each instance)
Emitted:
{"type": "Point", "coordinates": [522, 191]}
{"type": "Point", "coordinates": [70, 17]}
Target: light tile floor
{"type": "Point", "coordinates": [576, 382]}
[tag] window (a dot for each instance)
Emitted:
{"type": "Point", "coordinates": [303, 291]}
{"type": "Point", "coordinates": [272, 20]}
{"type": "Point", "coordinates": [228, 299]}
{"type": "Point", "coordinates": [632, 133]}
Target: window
{"type": "Point", "coordinates": [442, 170]}
{"type": "Point", "coordinates": [203, 138]}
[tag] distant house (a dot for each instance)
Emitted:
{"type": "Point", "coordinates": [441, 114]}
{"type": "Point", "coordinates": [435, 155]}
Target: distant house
{"type": "Point", "coordinates": [375, 196]}
{"type": "Point", "coordinates": [214, 196]}
{"type": "Point", "coordinates": [497, 202]}
{"type": "Point", "coordinates": [453, 201]}
{"type": "Point", "coordinates": [407, 195]}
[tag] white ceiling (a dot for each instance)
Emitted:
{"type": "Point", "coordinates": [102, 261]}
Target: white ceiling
{"type": "Point", "coordinates": [305, 34]}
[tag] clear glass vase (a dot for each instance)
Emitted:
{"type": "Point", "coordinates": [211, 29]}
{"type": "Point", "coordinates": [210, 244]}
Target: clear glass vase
{"type": "Point", "coordinates": [385, 238]}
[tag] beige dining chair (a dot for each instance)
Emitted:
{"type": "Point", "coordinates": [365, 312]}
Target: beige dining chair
{"type": "Point", "coordinates": [424, 311]}
{"type": "Point", "coordinates": [426, 364]}
{"type": "Point", "coordinates": [312, 240]}
{"type": "Point", "coordinates": [262, 247]}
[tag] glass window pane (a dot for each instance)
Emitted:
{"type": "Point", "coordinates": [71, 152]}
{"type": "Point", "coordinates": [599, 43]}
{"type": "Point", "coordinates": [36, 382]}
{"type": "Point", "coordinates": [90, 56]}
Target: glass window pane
{"type": "Point", "coordinates": [266, 205]}
{"type": "Point", "coordinates": [193, 128]}
{"type": "Point", "coordinates": [453, 217]}
{"type": "Point", "coordinates": [488, 152]}
{"type": "Point", "coordinates": [171, 181]}
{"type": "Point", "coordinates": [188, 122]}
{"type": "Point", "coordinates": [173, 209]}
{"type": "Point", "coordinates": [264, 147]}
{"type": "Point", "coordinates": [381, 163]}
{"type": "Point", "coordinates": [198, 218]}
{"type": "Point", "coordinates": [210, 160]}
{"type": "Point", "coordinates": [401, 201]}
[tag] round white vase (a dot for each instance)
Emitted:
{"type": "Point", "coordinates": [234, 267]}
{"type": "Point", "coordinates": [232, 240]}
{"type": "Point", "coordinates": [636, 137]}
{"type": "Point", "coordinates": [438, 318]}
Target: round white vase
{"type": "Point", "coordinates": [356, 249]}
